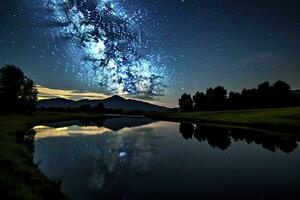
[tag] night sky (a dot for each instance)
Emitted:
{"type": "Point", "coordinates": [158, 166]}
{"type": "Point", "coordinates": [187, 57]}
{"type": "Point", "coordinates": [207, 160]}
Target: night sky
{"type": "Point", "coordinates": [154, 49]}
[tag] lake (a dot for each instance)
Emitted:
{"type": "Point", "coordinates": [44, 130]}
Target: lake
{"type": "Point", "coordinates": [139, 158]}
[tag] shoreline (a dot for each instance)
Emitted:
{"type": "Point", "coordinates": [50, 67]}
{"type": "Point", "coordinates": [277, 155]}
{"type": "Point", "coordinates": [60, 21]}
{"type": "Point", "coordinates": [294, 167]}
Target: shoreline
{"type": "Point", "coordinates": [20, 178]}
{"type": "Point", "coordinates": [286, 120]}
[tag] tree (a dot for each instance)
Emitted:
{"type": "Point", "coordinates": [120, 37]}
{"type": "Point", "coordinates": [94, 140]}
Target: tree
{"type": "Point", "coordinates": [281, 93]}
{"type": "Point", "coordinates": [185, 103]}
{"type": "Point", "coordinates": [216, 97]}
{"type": "Point", "coordinates": [263, 95]}
{"type": "Point", "coordinates": [264, 87]}
{"type": "Point", "coordinates": [199, 101]}
{"type": "Point", "coordinates": [249, 98]}
{"type": "Point", "coordinates": [234, 100]}
{"type": "Point", "coordinates": [17, 92]}
{"type": "Point", "coordinates": [281, 88]}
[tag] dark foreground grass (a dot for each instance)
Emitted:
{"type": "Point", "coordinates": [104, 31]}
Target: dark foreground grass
{"type": "Point", "coordinates": [19, 176]}
{"type": "Point", "coordinates": [277, 119]}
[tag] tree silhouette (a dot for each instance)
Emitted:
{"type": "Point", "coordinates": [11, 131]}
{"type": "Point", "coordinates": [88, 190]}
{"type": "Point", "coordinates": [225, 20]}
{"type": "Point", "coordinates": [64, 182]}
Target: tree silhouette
{"type": "Point", "coordinates": [280, 93]}
{"type": "Point", "coordinates": [199, 101]}
{"type": "Point", "coordinates": [186, 102]}
{"type": "Point", "coordinates": [216, 97]}
{"type": "Point", "coordinates": [234, 100]}
{"type": "Point", "coordinates": [17, 92]}
{"type": "Point", "coordinates": [264, 96]}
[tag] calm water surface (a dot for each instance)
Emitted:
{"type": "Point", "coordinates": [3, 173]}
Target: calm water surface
{"type": "Point", "coordinates": [138, 158]}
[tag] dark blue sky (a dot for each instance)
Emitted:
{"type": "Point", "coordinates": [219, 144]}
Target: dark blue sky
{"type": "Point", "coordinates": [234, 43]}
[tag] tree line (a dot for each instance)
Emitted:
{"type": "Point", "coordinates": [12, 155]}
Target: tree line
{"type": "Point", "coordinates": [265, 95]}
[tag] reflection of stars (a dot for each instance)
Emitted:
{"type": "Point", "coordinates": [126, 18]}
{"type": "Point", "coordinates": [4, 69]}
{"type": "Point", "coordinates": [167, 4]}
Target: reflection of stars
{"type": "Point", "coordinates": [122, 154]}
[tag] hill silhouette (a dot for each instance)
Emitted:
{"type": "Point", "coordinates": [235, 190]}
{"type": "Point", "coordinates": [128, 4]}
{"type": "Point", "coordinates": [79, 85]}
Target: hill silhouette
{"type": "Point", "coordinates": [114, 102]}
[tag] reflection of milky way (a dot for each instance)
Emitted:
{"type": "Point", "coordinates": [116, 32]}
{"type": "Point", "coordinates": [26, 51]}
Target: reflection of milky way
{"type": "Point", "coordinates": [109, 45]}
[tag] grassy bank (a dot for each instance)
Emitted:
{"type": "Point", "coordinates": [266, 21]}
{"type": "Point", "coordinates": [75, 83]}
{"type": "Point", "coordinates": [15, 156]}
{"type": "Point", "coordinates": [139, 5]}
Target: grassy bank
{"type": "Point", "coordinates": [19, 177]}
{"type": "Point", "coordinates": [279, 119]}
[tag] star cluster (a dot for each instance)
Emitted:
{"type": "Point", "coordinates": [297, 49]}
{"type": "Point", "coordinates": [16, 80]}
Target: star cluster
{"type": "Point", "coordinates": [108, 46]}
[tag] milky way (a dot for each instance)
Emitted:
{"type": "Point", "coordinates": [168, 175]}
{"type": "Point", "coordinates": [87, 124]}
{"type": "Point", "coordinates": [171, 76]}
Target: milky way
{"type": "Point", "coordinates": [108, 45]}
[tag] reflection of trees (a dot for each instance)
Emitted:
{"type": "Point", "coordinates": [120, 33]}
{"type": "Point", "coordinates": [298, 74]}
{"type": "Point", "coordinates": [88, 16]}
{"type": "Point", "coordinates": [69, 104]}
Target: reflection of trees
{"type": "Point", "coordinates": [218, 137]}
{"type": "Point", "coordinates": [268, 142]}
{"type": "Point", "coordinates": [186, 129]}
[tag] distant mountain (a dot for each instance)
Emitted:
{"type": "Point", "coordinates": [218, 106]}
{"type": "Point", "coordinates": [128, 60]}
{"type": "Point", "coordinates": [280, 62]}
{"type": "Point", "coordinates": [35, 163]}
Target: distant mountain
{"type": "Point", "coordinates": [115, 102]}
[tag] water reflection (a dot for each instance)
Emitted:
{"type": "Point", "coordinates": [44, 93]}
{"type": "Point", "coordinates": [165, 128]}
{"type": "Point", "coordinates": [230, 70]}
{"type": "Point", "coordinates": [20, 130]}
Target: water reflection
{"type": "Point", "coordinates": [221, 138]}
{"type": "Point", "coordinates": [114, 124]}
{"type": "Point", "coordinates": [102, 155]}
{"type": "Point", "coordinates": [142, 159]}
{"type": "Point", "coordinates": [74, 130]}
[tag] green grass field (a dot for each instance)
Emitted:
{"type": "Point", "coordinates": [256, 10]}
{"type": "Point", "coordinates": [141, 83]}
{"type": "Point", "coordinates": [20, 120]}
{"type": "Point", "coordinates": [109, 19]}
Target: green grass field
{"type": "Point", "coordinates": [280, 119]}
{"type": "Point", "coordinates": [19, 177]}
